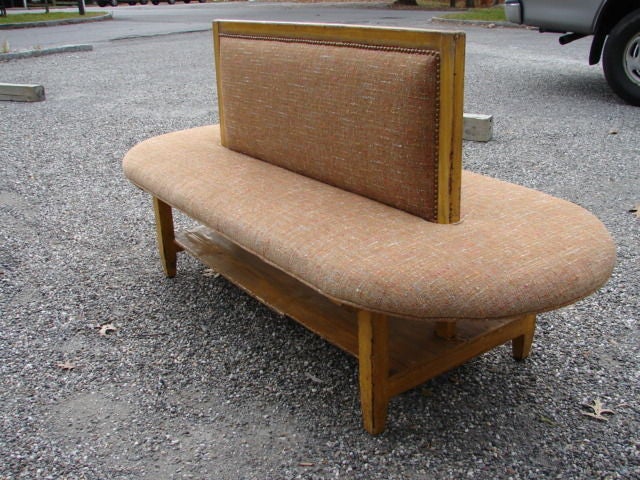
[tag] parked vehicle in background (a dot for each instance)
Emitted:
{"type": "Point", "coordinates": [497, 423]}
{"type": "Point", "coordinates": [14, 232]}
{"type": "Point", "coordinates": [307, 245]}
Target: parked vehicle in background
{"type": "Point", "coordinates": [114, 3]}
{"type": "Point", "coordinates": [614, 25]}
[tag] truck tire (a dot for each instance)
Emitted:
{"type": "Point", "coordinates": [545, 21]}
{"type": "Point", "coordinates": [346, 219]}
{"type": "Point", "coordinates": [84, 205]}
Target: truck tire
{"type": "Point", "coordinates": [621, 58]}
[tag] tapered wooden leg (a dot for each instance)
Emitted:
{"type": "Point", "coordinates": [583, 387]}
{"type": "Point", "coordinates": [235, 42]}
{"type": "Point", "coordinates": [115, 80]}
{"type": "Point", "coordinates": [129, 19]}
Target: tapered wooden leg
{"type": "Point", "coordinates": [373, 357]}
{"type": "Point", "coordinates": [165, 235]}
{"type": "Point", "coordinates": [521, 346]}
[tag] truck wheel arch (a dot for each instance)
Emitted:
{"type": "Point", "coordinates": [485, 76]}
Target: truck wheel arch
{"type": "Point", "coordinates": [612, 12]}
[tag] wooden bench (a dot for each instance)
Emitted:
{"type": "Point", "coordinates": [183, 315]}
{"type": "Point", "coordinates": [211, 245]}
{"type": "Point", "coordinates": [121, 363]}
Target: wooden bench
{"type": "Point", "coordinates": [333, 191]}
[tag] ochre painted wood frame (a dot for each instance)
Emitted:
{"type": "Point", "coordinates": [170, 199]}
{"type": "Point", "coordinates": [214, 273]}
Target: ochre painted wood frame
{"type": "Point", "coordinates": [450, 46]}
{"type": "Point", "coordinates": [394, 354]}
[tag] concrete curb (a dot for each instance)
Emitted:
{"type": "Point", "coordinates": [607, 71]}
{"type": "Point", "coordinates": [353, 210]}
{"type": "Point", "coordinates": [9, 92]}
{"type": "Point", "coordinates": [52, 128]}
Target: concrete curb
{"type": "Point", "coordinates": [162, 34]}
{"type": "Point", "coordinates": [45, 51]}
{"type": "Point", "coordinates": [53, 23]}
{"type": "Point", "coordinates": [478, 23]}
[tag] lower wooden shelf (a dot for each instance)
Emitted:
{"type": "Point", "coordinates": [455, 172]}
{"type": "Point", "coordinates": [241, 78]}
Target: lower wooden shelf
{"type": "Point", "coordinates": [416, 351]}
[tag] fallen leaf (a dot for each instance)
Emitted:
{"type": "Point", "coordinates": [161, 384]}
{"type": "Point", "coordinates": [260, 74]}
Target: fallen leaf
{"type": "Point", "coordinates": [613, 132]}
{"type": "Point", "coordinates": [548, 420]}
{"type": "Point", "coordinates": [598, 410]}
{"type": "Point", "coordinates": [426, 392]}
{"type": "Point", "coordinates": [66, 365]}
{"type": "Point", "coordinates": [636, 210]}
{"type": "Point", "coordinates": [210, 272]}
{"type": "Point", "coordinates": [306, 464]}
{"type": "Point", "coordinates": [313, 378]}
{"type": "Point", "coordinates": [106, 328]}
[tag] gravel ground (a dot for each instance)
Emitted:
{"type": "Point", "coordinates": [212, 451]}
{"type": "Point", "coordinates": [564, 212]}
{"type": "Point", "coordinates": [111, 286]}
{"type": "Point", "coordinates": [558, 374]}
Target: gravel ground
{"type": "Point", "coordinates": [197, 380]}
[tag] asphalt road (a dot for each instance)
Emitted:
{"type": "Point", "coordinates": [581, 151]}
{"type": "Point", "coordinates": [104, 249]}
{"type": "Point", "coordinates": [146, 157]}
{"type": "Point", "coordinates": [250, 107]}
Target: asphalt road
{"type": "Point", "coordinates": [164, 19]}
{"type": "Point", "coordinates": [131, 22]}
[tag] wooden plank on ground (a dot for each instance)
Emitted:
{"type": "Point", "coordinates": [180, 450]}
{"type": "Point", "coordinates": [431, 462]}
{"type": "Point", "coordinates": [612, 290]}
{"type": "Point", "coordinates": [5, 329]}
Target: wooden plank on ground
{"type": "Point", "coordinates": [21, 93]}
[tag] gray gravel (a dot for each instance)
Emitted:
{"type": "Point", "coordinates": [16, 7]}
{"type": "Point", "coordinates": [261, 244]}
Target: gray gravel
{"type": "Point", "coordinates": [200, 381]}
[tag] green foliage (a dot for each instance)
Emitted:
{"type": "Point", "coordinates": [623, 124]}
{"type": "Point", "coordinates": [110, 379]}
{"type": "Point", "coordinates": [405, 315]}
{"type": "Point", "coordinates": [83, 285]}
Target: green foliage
{"type": "Point", "coordinates": [494, 14]}
{"type": "Point", "coordinates": [40, 17]}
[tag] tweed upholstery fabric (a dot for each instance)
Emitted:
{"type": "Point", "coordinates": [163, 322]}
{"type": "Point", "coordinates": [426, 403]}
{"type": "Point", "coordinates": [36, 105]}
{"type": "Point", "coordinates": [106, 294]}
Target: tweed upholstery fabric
{"type": "Point", "coordinates": [515, 251]}
{"type": "Point", "coordinates": [361, 118]}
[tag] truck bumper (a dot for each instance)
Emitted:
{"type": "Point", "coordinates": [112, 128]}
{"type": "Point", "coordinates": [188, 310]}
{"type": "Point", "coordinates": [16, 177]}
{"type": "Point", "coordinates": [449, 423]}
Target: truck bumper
{"type": "Point", "coordinates": [513, 11]}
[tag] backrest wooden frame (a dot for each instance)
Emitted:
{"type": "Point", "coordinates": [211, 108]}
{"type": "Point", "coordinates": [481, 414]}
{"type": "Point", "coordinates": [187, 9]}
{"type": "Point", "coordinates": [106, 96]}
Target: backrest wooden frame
{"type": "Point", "coordinates": [450, 46]}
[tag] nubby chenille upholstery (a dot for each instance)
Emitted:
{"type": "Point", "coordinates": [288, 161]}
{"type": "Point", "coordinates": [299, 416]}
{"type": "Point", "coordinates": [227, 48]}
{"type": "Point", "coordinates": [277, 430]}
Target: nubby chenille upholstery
{"type": "Point", "coordinates": [361, 119]}
{"type": "Point", "coordinates": [333, 191]}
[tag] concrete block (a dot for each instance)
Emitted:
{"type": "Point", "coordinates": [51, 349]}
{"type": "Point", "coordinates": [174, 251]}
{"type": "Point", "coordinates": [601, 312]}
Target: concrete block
{"type": "Point", "coordinates": [478, 127]}
{"type": "Point", "coordinates": [21, 93]}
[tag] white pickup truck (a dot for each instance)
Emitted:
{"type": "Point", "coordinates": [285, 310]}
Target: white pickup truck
{"type": "Point", "coordinates": [614, 25]}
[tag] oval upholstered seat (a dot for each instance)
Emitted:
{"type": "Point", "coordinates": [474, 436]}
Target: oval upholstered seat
{"type": "Point", "coordinates": [515, 251]}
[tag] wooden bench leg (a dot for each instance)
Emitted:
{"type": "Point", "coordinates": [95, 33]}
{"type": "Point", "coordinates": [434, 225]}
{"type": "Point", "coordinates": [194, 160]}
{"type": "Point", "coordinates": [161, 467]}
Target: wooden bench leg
{"type": "Point", "coordinates": [521, 346]}
{"type": "Point", "coordinates": [373, 357]}
{"type": "Point", "coordinates": [446, 329]}
{"type": "Point", "coordinates": [165, 236]}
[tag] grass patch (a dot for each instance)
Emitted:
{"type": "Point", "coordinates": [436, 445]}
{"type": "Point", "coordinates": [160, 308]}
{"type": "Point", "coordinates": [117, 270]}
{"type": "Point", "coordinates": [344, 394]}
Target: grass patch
{"type": "Point", "coordinates": [485, 14]}
{"type": "Point", "coordinates": [427, 4]}
{"type": "Point", "coordinates": [433, 3]}
{"type": "Point", "coordinates": [42, 17]}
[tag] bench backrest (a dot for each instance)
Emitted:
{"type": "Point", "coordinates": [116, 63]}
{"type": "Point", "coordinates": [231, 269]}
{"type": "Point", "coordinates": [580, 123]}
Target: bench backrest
{"type": "Point", "coordinates": [375, 111]}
